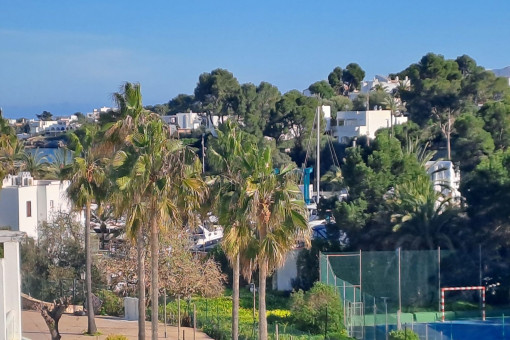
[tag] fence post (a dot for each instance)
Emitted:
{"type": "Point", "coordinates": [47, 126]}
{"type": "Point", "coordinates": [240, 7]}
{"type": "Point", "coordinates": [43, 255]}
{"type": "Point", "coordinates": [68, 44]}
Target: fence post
{"type": "Point", "coordinates": [179, 318]}
{"type": "Point", "coordinates": [194, 321]}
{"type": "Point", "coordinates": [326, 325]}
{"type": "Point", "coordinates": [164, 306]}
{"type": "Point", "coordinates": [276, 330]}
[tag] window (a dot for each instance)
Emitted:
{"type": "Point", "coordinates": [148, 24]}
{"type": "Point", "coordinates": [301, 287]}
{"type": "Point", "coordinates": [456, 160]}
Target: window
{"type": "Point", "coordinates": [29, 208]}
{"type": "Point", "coordinates": [51, 204]}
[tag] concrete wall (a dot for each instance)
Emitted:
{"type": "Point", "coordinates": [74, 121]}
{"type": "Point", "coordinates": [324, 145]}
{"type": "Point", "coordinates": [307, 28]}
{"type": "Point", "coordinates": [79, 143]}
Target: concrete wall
{"type": "Point", "coordinates": [363, 123]}
{"type": "Point", "coordinates": [52, 198]}
{"type": "Point", "coordinates": [9, 209]}
{"type": "Point", "coordinates": [27, 224]}
{"type": "Point", "coordinates": [288, 272]}
{"type": "Point", "coordinates": [10, 293]}
{"type": "Point", "coordinates": [46, 197]}
{"type": "Point", "coordinates": [131, 308]}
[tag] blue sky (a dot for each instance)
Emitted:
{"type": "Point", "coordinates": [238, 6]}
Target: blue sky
{"type": "Point", "coordinates": [69, 56]}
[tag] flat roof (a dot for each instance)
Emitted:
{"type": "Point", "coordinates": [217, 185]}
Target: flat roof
{"type": "Point", "coordinates": [11, 236]}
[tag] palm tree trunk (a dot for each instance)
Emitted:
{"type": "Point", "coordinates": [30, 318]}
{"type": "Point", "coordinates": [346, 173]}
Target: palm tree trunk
{"type": "Point", "coordinates": [91, 328]}
{"type": "Point", "coordinates": [154, 281]}
{"type": "Point", "coordinates": [141, 283]}
{"type": "Point", "coordinates": [235, 300]}
{"type": "Point", "coordinates": [262, 299]}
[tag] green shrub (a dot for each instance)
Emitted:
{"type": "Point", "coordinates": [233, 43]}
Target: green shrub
{"type": "Point", "coordinates": [116, 337]}
{"type": "Point", "coordinates": [280, 316]}
{"type": "Point", "coordinates": [112, 303]}
{"type": "Point", "coordinates": [314, 309]}
{"type": "Point", "coordinates": [402, 334]}
{"type": "Point", "coordinates": [222, 331]}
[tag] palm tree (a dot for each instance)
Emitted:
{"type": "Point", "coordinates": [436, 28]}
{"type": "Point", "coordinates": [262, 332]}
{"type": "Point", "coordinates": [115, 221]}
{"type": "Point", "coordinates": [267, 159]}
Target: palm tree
{"type": "Point", "coordinates": [36, 163]}
{"type": "Point", "coordinates": [225, 158]}
{"type": "Point", "coordinates": [87, 176]}
{"type": "Point", "coordinates": [129, 102]}
{"type": "Point", "coordinates": [424, 217]}
{"type": "Point", "coordinates": [11, 150]}
{"type": "Point", "coordinates": [164, 182]}
{"type": "Point", "coordinates": [274, 208]}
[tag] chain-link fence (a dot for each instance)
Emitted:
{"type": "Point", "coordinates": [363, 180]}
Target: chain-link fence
{"type": "Point", "coordinates": [214, 316]}
{"type": "Point", "coordinates": [390, 289]}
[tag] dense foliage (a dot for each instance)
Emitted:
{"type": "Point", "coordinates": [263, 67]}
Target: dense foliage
{"type": "Point", "coordinates": [318, 311]}
{"type": "Point", "coordinates": [457, 111]}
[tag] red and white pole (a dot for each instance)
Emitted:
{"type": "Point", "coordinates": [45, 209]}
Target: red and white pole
{"type": "Point", "coordinates": [483, 304]}
{"type": "Point", "coordinates": [442, 304]}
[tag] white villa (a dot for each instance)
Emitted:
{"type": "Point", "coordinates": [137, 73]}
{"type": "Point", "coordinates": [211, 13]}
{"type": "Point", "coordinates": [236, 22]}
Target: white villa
{"type": "Point", "coordinates": [94, 115]}
{"type": "Point", "coordinates": [62, 124]}
{"type": "Point", "coordinates": [25, 202]}
{"type": "Point", "coordinates": [351, 124]}
{"type": "Point", "coordinates": [445, 177]}
{"type": "Point", "coordinates": [387, 84]}
{"type": "Point", "coordinates": [186, 121]}
{"type": "Point", "coordinates": [10, 286]}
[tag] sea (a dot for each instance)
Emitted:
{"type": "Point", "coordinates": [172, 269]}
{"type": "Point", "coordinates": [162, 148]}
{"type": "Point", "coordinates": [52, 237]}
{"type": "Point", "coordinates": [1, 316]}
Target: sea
{"type": "Point", "coordinates": [51, 154]}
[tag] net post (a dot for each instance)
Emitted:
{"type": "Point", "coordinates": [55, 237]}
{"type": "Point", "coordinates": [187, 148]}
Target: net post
{"type": "Point", "coordinates": [360, 270]}
{"type": "Point", "coordinates": [483, 303]}
{"type": "Point", "coordinates": [320, 266]}
{"type": "Point", "coordinates": [442, 304]}
{"type": "Point", "coordinates": [439, 273]}
{"type": "Point", "coordinates": [344, 300]}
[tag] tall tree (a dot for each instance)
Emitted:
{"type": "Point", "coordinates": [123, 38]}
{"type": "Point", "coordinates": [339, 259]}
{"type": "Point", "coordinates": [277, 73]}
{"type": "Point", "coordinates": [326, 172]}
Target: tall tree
{"type": "Point", "coordinates": [181, 103]}
{"type": "Point", "coordinates": [335, 80]}
{"type": "Point", "coordinates": [435, 95]}
{"type": "Point", "coordinates": [87, 176]}
{"type": "Point", "coordinates": [294, 115]}
{"type": "Point", "coordinates": [352, 76]}
{"type": "Point", "coordinates": [126, 202]}
{"type": "Point", "coordinates": [45, 115]}
{"type": "Point", "coordinates": [217, 93]}
{"type": "Point", "coordinates": [275, 208]}
{"type": "Point", "coordinates": [166, 179]}
{"type": "Point", "coordinates": [225, 156]}
{"type": "Point", "coordinates": [322, 89]}
{"type": "Point", "coordinates": [496, 116]}
{"type": "Point", "coordinates": [471, 142]}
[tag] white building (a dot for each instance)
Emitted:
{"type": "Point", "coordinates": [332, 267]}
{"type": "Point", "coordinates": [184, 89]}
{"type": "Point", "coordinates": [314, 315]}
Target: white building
{"type": "Point", "coordinates": [389, 85]}
{"type": "Point", "coordinates": [445, 177]}
{"type": "Point", "coordinates": [39, 126]}
{"type": "Point", "coordinates": [186, 121]}
{"type": "Point", "coordinates": [94, 115]}
{"type": "Point", "coordinates": [10, 286]}
{"type": "Point", "coordinates": [351, 124]}
{"type": "Point", "coordinates": [25, 202]}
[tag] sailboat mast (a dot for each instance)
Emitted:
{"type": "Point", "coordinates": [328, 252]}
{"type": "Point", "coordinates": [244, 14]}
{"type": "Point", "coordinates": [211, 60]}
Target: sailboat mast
{"type": "Point", "coordinates": [318, 151]}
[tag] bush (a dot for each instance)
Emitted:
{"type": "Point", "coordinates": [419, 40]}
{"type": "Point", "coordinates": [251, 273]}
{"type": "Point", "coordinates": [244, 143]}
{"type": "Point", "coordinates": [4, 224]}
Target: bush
{"type": "Point", "coordinates": [112, 303]}
{"type": "Point", "coordinates": [278, 316]}
{"type": "Point", "coordinates": [314, 309]}
{"type": "Point", "coordinates": [402, 334]}
{"type": "Point", "coordinates": [116, 337]}
{"type": "Point", "coordinates": [338, 336]}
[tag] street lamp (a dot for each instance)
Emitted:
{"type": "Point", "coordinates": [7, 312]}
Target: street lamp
{"type": "Point", "coordinates": [82, 276]}
{"type": "Point", "coordinates": [253, 290]}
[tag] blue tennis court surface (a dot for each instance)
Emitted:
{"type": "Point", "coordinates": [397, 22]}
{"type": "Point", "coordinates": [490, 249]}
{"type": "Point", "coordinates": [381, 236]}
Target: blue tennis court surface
{"type": "Point", "coordinates": [492, 329]}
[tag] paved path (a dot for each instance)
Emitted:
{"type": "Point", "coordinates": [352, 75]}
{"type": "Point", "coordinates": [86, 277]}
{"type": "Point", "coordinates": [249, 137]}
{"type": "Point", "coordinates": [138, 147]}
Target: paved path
{"type": "Point", "coordinates": [72, 328]}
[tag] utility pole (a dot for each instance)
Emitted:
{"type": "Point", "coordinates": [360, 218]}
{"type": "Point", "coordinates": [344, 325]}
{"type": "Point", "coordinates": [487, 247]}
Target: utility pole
{"type": "Point", "coordinates": [203, 154]}
{"type": "Point", "coordinates": [318, 153]}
